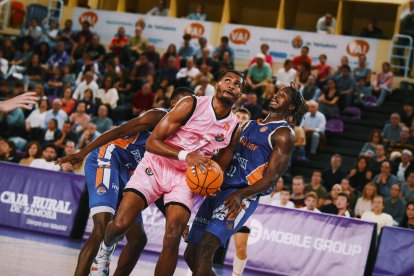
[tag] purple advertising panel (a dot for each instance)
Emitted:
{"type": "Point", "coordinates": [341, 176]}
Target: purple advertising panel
{"type": "Point", "coordinates": [395, 252]}
{"type": "Point", "coordinates": [39, 200]}
{"type": "Point", "coordinates": [294, 242]}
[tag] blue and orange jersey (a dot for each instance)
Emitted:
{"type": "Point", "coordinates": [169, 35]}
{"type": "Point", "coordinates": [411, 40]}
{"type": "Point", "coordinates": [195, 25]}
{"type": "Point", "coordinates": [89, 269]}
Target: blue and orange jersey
{"type": "Point", "coordinates": [251, 157]}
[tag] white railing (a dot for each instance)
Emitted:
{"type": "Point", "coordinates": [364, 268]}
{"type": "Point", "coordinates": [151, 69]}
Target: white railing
{"type": "Point", "coordinates": [4, 13]}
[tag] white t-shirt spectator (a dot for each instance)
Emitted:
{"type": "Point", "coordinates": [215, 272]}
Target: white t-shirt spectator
{"type": "Point", "coordinates": [285, 78]}
{"type": "Point", "coordinates": [289, 204]}
{"type": "Point", "coordinates": [209, 91]}
{"type": "Point", "coordinates": [381, 220]}
{"type": "Point", "coordinates": [80, 90]}
{"type": "Point", "coordinates": [269, 199]}
{"type": "Point", "coordinates": [43, 164]}
{"type": "Point", "coordinates": [110, 97]}
{"type": "Point", "coordinates": [36, 118]}
{"type": "Point", "coordinates": [188, 73]}
{"type": "Point", "coordinates": [322, 28]}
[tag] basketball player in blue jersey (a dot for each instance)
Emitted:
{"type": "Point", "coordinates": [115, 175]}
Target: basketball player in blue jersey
{"type": "Point", "coordinates": [115, 155]}
{"type": "Point", "coordinates": [259, 160]}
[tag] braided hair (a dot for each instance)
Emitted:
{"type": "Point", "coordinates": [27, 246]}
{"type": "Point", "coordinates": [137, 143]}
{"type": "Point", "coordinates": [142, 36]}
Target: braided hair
{"type": "Point", "coordinates": [300, 107]}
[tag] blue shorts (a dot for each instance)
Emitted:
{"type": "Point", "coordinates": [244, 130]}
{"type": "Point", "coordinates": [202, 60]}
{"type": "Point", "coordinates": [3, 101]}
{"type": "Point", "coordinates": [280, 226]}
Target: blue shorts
{"type": "Point", "coordinates": [212, 218]}
{"type": "Point", "coordinates": [105, 180]}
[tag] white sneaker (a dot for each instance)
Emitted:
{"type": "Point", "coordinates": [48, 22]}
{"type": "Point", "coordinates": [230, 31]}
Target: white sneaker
{"type": "Point", "coordinates": [100, 265]}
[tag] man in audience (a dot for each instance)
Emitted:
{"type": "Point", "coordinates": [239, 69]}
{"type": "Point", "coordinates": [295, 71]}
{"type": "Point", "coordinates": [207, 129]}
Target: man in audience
{"type": "Point", "coordinates": [346, 84]}
{"type": "Point", "coordinates": [403, 143]}
{"type": "Point", "coordinates": [407, 114]}
{"type": "Point", "coordinates": [186, 75]}
{"type": "Point", "coordinates": [395, 205]}
{"type": "Point", "coordinates": [88, 135]}
{"type": "Point", "coordinates": [259, 75]}
{"type": "Point", "coordinates": [264, 48]}
{"type": "Point", "coordinates": [203, 45]}
{"type": "Point", "coordinates": [326, 24]}
{"type": "Point", "coordinates": [49, 155]}
{"type": "Point", "coordinates": [403, 167]}
{"type": "Point", "coordinates": [102, 121]}
{"type": "Point", "coordinates": [284, 200]}
{"type": "Point", "coordinates": [378, 159]}
{"type": "Point", "coordinates": [119, 42]}
{"type": "Point", "coordinates": [142, 100]}
{"type": "Point", "coordinates": [96, 50]}
{"type": "Point", "coordinates": [302, 58]}
{"type": "Point", "coordinates": [311, 201]}
{"type": "Point", "coordinates": [55, 113]}
{"type": "Point", "coordinates": [385, 180]}
{"type": "Point", "coordinates": [383, 84]}
{"type": "Point", "coordinates": [334, 174]}
{"type": "Point", "coordinates": [371, 30]}
{"type": "Point", "coordinates": [298, 191]}
{"type": "Point", "coordinates": [391, 131]}
{"type": "Point", "coordinates": [407, 189]}
{"type": "Point", "coordinates": [314, 124]}
{"type": "Point", "coordinates": [67, 135]}
{"type": "Point", "coordinates": [223, 47]}
{"type": "Point", "coordinates": [310, 91]}
{"type": "Point", "coordinates": [87, 83]}
{"type": "Point", "coordinates": [286, 74]}
{"type": "Point", "coordinates": [316, 186]}
{"type": "Point", "coordinates": [187, 50]}
{"type": "Point", "coordinates": [137, 43]}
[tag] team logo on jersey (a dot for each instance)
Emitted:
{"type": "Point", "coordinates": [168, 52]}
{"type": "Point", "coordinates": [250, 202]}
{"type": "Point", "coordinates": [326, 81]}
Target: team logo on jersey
{"type": "Point", "coordinates": [149, 171]}
{"type": "Point", "coordinates": [101, 190]}
{"type": "Point", "coordinates": [264, 129]}
{"type": "Point", "coordinates": [226, 127]}
{"type": "Point", "coordinates": [220, 137]}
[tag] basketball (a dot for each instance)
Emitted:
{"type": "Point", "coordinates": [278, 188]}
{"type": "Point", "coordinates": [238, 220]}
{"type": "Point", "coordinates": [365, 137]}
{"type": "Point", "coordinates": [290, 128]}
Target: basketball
{"type": "Point", "coordinates": [206, 183]}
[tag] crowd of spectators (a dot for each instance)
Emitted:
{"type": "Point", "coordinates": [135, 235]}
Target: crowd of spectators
{"type": "Point", "coordinates": [86, 88]}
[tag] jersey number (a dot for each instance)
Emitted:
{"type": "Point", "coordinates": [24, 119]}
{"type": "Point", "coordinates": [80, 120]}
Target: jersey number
{"type": "Point", "coordinates": [231, 171]}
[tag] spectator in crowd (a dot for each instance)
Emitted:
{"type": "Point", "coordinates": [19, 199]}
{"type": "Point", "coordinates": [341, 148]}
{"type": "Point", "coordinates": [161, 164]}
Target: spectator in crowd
{"type": "Point", "coordinates": [372, 30]}
{"type": "Point", "coordinates": [267, 97]}
{"type": "Point", "coordinates": [204, 88]}
{"type": "Point", "coordinates": [302, 58]}
{"type": "Point", "coordinates": [407, 189]}
{"type": "Point", "coordinates": [362, 71]}
{"type": "Point", "coordinates": [343, 61]}
{"type": "Point", "coordinates": [227, 60]}
{"type": "Point", "coordinates": [21, 59]}
{"type": "Point", "coordinates": [342, 204]}
{"type": "Point", "coordinates": [58, 59]}
{"type": "Point", "coordinates": [316, 186]}
{"type": "Point", "coordinates": [159, 10]}
{"type": "Point", "coordinates": [298, 191]}
{"type": "Point", "coordinates": [119, 42]}
{"type": "Point", "coordinates": [395, 205]}
{"type": "Point", "coordinates": [51, 134]}
{"type": "Point", "coordinates": [54, 86]}
{"type": "Point", "coordinates": [243, 116]}
{"type": "Point", "coordinates": [102, 121]}
{"type": "Point", "coordinates": [407, 114]}
{"type": "Point", "coordinates": [8, 152]}
{"type": "Point", "coordinates": [392, 130]}
{"type": "Point", "coordinates": [85, 32]}
{"type": "Point", "coordinates": [79, 118]}
{"type": "Point", "coordinates": [70, 148]}
{"type": "Point", "coordinates": [253, 106]}
{"type": "Point", "coordinates": [33, 151]}
{"type": "Point", "coordinates": [142, 69]}
{"type": "Point", "coordinates": [35, 120]}
{"type": "Point", "coordinates": [384, 180]}
{"type": "Point", "coordinates": [286, 74]}
{"type": "Point", "coordinates": [360, 174]}
{"type": "Point", "coordinates": [96, 50]}
{"type": "Point", "coordinates": [408, 220]}
{"type": "Point", "coordinates": [324, 71]}
{"type": "Point", "coordinates": [88, 135]}
{"type": "Point", "coordinates": [348, 190]}
{"type": "Point", "coordinates": [326, 24]}
{"type": "Point", "coordinates": [284, 199]}
{"type": "Point", "coordinates": [167, 57]}
{"type": "Point", "coordinates": [185, 76]}
{"type": "Point", "coordinates": [66, 34]}
{"type": "Point", "coordinates": [204, 72]}
{"type": "Point", "coordinates": [33, 74]}
{"type": "Point", "coordinates": [203, 45]}
{"type": "Point", "coordinates": [299, 151]}
{"type": "Point", "coordinates": [259, 75]}
{"type": "Point", "coordinates": [314, 123]}
{"type": "Point", "coordinates": [142, 100]}
{"type": "Point", "coordinates": [369, 148]}
{"type": "Point", "coordinates": [67, 135]}
{"type": "Point", "coordinates": [89, 101]}
{"type": "Point", "coordinates": [152, 55]}
{"type": "Point", "coordinates": [304, 72]}
{"type": "Point", "coordinates": [108, 94]}
{"type": "Point", "coordinates": [264, 48]}
{"type": "Point", "coordinates": [87, 83]}
{"type": "Point", "coordinates": [68, 103]}
{"type": "Point", "coordinates": [55, 113]}
{"type": "Point", "coordinates": [378, 159]}
{"type": "Point", "coordinates": [169, 73]}
{"type": "Point", "coordinates": [362, 92]}
{"type": "Point", "coordinates": [346, 86]}
{"type": "Point", "coordinates": [329, 99]}
{"type": "Point", "coordinates": [69, 78]}
{"type": "Point", "coordinates": [49, 155]}
{"type": "Point", "coordinates": [334, 174]}
{"type": "Point", "coordinates": [383, 84]}
{"type": "Point", "coordinates": [404, 166]}
{"type": "Point", "coordinates": [206, 59]}
{"type": "Point", "coordinates": [364, 203]}
{"type": "Point", "coordinates": [274, 197]}
{"type": "Point", "coordinates": [224, 46]}
{"type": "Point", "coordinates": [33, 32]}
{"type": "Point", "coordinates": [329, 206]}
{"type": "Point", "coordinates": [310, 91]}
{"type": "Point", "coordinates": [311, 203]}
{"type": "Point", "coordinates": [377, 215]}
{"type": "Point", "coordinates": [187, 50]}
{"type": "Point", "coordinates": [198, 14]}
{"type": "Point", "coordinates": [403, 143]}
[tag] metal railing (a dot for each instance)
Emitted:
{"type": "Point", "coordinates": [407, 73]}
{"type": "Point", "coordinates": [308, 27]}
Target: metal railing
{"type": "Point", "coordinates": [4, 13]}
{"type": "Point", "coordinates": [401, 50]}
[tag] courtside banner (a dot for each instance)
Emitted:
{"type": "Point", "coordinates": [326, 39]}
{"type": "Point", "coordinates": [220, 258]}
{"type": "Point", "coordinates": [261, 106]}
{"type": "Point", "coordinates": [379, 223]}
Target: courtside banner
{"type": "Point", "coordinates": [395, 252]}
{"type": "Point", "coordinates": [39, 200]}
{"type": "Point", "coordinates": [294, 242]}
{"type": "Point", "coordinates": [161, 31]}
{"type": "Point", "coordinates": [246, 41]}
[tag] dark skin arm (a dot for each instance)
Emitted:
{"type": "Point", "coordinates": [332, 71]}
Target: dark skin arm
{"type": "Point", "coordinates": [224, 156]}
{"type": "Point", "coordinates": [146, 122]}
{"type": "Point", "coordinates": [168, 126]}
{"type": "Point", "coordinates": [282, 141]}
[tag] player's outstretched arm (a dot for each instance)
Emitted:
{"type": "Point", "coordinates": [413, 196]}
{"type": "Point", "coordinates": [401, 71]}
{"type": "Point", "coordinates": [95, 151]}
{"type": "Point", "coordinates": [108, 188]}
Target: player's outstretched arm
{"type": "Point", "coordinates": [145, 122]}
{"type": "Point", "coordinates": [26, 100]}
{"type": "Point", "coordinates": [224, 156]}
{"type": "Point", "coordinates": [167, 127]}
{"type": "Point", "coordinates": [282, 141]}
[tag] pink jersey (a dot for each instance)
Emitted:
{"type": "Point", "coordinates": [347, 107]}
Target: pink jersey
{"type": "Point", "coordinates": [203, 132]}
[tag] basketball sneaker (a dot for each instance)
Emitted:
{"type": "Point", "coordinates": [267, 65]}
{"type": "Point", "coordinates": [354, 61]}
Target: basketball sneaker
{"type": "Point", "coordinates": [100, 265]}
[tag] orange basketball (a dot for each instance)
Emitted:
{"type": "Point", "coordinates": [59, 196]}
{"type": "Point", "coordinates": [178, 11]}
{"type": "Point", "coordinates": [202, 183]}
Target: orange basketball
{"type": "Point", "coordinates": [206, 183]}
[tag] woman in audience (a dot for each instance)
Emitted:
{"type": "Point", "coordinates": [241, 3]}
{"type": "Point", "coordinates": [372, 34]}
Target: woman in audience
{"type": "Point", "coordinates": [369, 148]}
{"type": "Point", "coordinates": [360, 174]}
{"type": "Point", "coordinates": [344, 61]}
{"type": "Point", "coordinates": [33, 151]}
{"type": "Point", "coordinates": [377, 214]}
{"type": "Point", "coordinates": [362, 71]}
{"type": "Point", "coordinates": [89, 101]}
{"type": "Point", "coordinates": [364, 203]}
{"type": "Point", "coordinates": [349, 191]}
{"type": "Point", "coordinates": [35, 120]}
{"type": "Point", "coordinates": [108, 94]}
{"type": "Point", "coordinates": [408, 220]}
{"type": "Point", "coordinates": [328, 101]}
{"type": "Point", "coordinates": [329, 205]}
{"type": "Point", "coordinates": [171, 52]}
{"type": "Point", "coordinates": [51, 134]}
{"type": "Point", "coordinates": [342, 204]}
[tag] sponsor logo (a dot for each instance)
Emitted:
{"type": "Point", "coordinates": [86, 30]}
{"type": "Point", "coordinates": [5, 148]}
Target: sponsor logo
{"type": "Point", "coordinates": [89, 16]}
{"type": "Point", "coordinates": [357, 47]}
{"type": "Point", "coordinates": [256, 231]}
{"type": "Point", "coordinates": [239, 36]}
{"type": "Point", "coordinates": [226, 127]}
{"type": "Point", "coordinates": [297, 42]}
{"type": "Point", "coordinates": [220, 137]}
{"type": "Point", "coordinates": [244, 141]}
{"type": "Point", "coordinates": [196, 30]}
{"type": "Point", "coordinates": [148, 171]}
{"type": "Point", "coordinates": [115, 187]}
{"type": "Point", "coordinates": [101, 190]}
{"type": "Point", "coordinates": [264, 129]}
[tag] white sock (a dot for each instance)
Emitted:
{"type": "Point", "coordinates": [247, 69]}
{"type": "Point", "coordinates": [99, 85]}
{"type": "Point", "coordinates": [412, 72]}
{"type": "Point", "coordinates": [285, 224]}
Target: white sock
{"type": "Point", "coordinates": [238, 266]}
{"type": "Point", "coordinates": [107, 248]}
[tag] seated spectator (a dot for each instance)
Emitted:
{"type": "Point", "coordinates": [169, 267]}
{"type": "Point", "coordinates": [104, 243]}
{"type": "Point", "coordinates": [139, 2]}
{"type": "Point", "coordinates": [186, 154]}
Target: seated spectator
{"type": "Point", "coordinates": [324, 71]}
{"type": "Point", "coordinates": [329, 99]}
{"type": "Point", "coordinates": [274, 197]}
{"type": "Point", "coordinates": [70, 148]}
{"type": "Point", "coordinates": [259, 75]}
{"type": "Point", "coordinates": [404, 166]}
{"type": "Point", "coordinates": [198, 14]}
{"type": "Point", "coordinates": [68, 103]}
{"type": "Point", "coordinates": [68, 79]}
{"type": "Point", "coordinates": [362, 71]}
{"type": "Point", "coordinates": [96, 50]}
{"type": "Point", "coordinates": [169, 74]}
{"type": "Point", "coordinates": [21, 59]}
{"type": "Point", "coordinates": [334, 174]}
{"type": "Point", "coordinates": [51, 134]}
{"type": "Point", "coordinates": [344, 61]}
{"type": "Point", "coordinates": [227, 60]}
{"type": "Point", "coordinates": [311, 201]}
{"type": "Point", "coordinates": [403, 143]}
{"type": "Point", "coordinates": [385, 180]}
{"type": "Point", "coordinates": [253, 106]}
{"type": "Point", "coordinates": [124, 87]}
{"type": "Point", "coordinates": [166, 57]}
{"type": "Point", "coordinates": [85, 32]}
{"type": "Point", "coordinates": [88, 135]}
{"type": "Point", "coordinates": [203, 45]}
{"type": "Point", "coordinates": [187, 50]}
{"type": "Point", "coordinates": [304, 72]}
{"type": "Point", "coordinates": [89, 102]}
{"type": "Point", "coordinates": [204, 72]}
{"type": "Point", "coordinates": [284, 199]}
{"type": "Point", "coordinates": [87, 65]}
{"type": "Point", "coordinates": [316, 186]}
{"type": "Point", "coordinates": [55, 113]}
{"type": "Point", "coordinates": [8, 152]}
{"type": "Point", "coordinates": [79, 118]}
{"type": "Point", "coordinates": [33, 32]}
{"type": "Point", "coordinates": [142, 100]}
{"type": "Point", "coordinates": [286, 74]}
{"type": "Point", "coordinates": [371, 30]}
{"type": "Point", "coordinates": [243, 116]}
{"type": "Point", "coordinates": [66, 34]}
{"type": "Point", "coordinates": [326, 24]}
{"type": "Point", "coordinates": [107, 95]}
{"type": "Point", "coordinates": [364, 203]}
{"type": "Point", "coordinates": [223, 47]}
{"type": "Point", "coordinates": [186, 75]}
{"type": "Point", "coordinates": [392, 131]}
{"type": "Point", "coordinates": [143, 67]}
{"type": "Point", "coordinates": [34, 122]}
{"type": "Point", "coordinates": [360, 175]}
{"type": "Point", "coordinates": [329, 206]}
{"type": "Point", "coordinates": [383, 84]}
{"type": "Point", "coordinates": [314, 123]}
{"type": "Point", "coordinates": [33, 74]}
{"type": "Point", "coordinates": [298, 191]}
{"type": "Point", "coordinates": [206, 59]}
{"type": "Point", "coordinates": [54, 86]}
{"type": "Point", "coordinates": [349, 191]}
{"type": "Point", "coordinates": [309, 90]}
{"type": "Point", "coordinates": [33, 151]}
{"type": "Point", "coordinates": [378, 159]}
{"type": "Point", "coordinates": [119, 42]}
{"type": "Point", "coordinates": [152, 54]}
{"type": "Point", "coordinates": [362, 92]}
{"type": "Point", "coordinates": [67, 135]}
{"type": "Point", "coordinates": [407, 114]}
{"type": "Point", "coordinates": [264, 48]}
{"type": "Point", "coordinates": [204, 88]}
{"type": "Point", "coordinates": [342, 204]}
{"type": "Point", "coordinates": [87, 83]}
{"type": "Point", "coordinates": [369, 148]}
{"type": "Point", "coordinates": [407, 189]}
{"type": "Point", "coordinates": [78, 52]}
{"type": "Point", "coordinates": [346, 86]}
{"type": "Point", "coordinates": [102, 121]}
{"type": "Point", "coordinates": [47, 161]}
{"type": "Point", "coordinates": [159, 10]}
{"type": "Point", "coordinates": [60, 58]}
{"type": "Point", "coordinates": [408, 220]}
{"type": "Point", "coordinates": [50, 30]}
{"type": "Point", "coordinates": [395, 205]}
{"type": "Point", "coordinates": [377, 215]}
{"type": "Point", "coordinates": [299, 151]}
{"type": "Point", "coordinates": [302, 58]}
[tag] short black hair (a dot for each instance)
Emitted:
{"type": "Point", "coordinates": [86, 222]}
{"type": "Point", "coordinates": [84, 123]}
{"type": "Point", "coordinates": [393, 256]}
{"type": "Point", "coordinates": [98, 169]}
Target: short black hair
{"type": "Point", "coordinates": [180, 91]}
{"type": "Point", "coordinates": [238, 74]}
{"type": "Point", "coordinates": [346, 66]}
{"type": "Point", "coordinates": [224, 38]}
{"type": "Point", "coordinates": [243, 110]}
{"type": "Point", "coordinates": [49, 146]}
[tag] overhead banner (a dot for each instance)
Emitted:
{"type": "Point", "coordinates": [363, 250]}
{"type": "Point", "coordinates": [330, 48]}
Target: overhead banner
{"type": "Point", "coordinates": [395, 252]}
{"type": "Point", "coordinates": [294, 242]}
{"type": "Point", "coordinates": [39, 200]}
{"type": "Point", "coordinates": [161, 31]}
{"type": "Point", "coordinates": [284, 44]}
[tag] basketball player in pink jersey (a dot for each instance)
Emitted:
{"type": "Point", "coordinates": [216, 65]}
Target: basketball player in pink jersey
{"type": "Point", "coordinates": [189, 135]}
